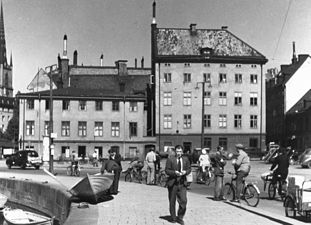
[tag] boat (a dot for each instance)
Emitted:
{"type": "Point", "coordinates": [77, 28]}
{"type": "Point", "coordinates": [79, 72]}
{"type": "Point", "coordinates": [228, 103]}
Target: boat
{"type": "Point", "coordinates": [3, 200]}
{"type": "Point", "coordinates": [19, 216]}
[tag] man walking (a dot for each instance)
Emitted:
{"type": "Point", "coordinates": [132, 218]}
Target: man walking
{"type": "Point", "coordinates": [150, 159]}
{"type": "Point", "coordinates": [177, 167]}
{"type": "Point", "coordinates": [116, 157]}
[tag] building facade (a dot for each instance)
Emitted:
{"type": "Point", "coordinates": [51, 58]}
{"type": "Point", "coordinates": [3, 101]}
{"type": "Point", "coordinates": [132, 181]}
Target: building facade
{"type": "Point", "coordinates": [209, 88]}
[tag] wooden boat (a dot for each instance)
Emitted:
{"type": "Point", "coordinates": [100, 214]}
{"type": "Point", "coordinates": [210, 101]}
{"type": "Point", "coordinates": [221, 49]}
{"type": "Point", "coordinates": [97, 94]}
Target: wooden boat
{"type": "Point", "coordinates": [19, 216]}
{"type": "Point", "coordinates": [3, 200]}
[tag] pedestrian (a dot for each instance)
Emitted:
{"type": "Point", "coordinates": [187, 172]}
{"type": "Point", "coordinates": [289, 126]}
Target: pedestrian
{"type": "Point", "coordinates": [116, 157]}
{"type": "Point", "coordinates": [204, 163]}
{"type": "Point", "coordinates": [187, 154]}
{"type": "Point", "coordinates": [177, 168]}
{"type": "Point", "coordinates": [242, 168]}
{"type": "Point", "coordinates": [218, 161]}
{"type": "Point", "coordinates": [150, 159]}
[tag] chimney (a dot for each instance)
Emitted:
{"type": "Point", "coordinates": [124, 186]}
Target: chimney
{"type": "Point", "coordinates": [102, 60]}
{"type": "Point", "coordinates": [193, 29]}
{"type": "Point", "coordinates": [135, 63]}
{"type": "Point", "coordinates": [154, 13]}
{"type": "Point", "coordinates": [65, 47]}
{"type": "Point", "coordinates": [122, 68]}
{"type": "Point", "coordinates": [224, 27]}
{"type": "Point", "coordinates": [75, 58]}
{"type": "Point", "coordinates": [294, 59]}
{"type": "Point", "coordinates": [142, 62]}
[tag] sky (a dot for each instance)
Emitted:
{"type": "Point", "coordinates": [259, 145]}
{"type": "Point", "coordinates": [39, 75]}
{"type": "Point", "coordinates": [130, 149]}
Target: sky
{"type": "Point", "coordinates": [120, 29]}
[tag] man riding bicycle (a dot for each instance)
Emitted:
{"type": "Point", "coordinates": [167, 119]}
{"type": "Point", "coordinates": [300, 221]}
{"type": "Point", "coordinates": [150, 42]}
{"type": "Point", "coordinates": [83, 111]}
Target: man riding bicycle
{"type": "Point", "coordinates": [137, 163]}
{"type": "Point", "coordinates": [281, 163]}
{"type": "Point", "coordinates": [242, 168]}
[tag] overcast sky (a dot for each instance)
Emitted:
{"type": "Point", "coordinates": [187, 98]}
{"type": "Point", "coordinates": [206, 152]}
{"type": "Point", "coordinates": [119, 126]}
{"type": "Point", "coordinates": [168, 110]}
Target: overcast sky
{"type": "Point", "coordinates": [120, 29]}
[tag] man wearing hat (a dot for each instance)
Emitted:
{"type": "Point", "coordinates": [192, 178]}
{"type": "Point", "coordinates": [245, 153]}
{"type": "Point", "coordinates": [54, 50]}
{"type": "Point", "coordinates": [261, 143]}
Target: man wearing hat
{"type": "Point", "coordinates": [242, 168]}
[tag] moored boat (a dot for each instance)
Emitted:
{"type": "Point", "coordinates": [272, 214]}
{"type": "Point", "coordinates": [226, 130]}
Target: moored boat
{"type": "Point", "coordinates": [19, 216]}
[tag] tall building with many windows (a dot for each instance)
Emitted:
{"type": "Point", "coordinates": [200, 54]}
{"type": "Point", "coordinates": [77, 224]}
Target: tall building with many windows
{"type": "Point", "coordinates": [208, 88]}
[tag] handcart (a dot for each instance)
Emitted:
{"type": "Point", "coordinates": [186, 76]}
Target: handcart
{"type": "Point", "coordinates": [298, 198]}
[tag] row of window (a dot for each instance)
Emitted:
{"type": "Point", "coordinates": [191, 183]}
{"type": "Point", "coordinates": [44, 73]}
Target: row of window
{"type": "Point", "coordinates": [208, 65]}
{"type": "Point", "coordinates": [222, 121]}
{"type": "Point", "coordinates": [222, 98]}
{"type": "Point", "coordinates": [82, 128]}
{"type": "Point", "coordinates": [222, 78]}
{"type": "Point", "coordinates": [98, 106]}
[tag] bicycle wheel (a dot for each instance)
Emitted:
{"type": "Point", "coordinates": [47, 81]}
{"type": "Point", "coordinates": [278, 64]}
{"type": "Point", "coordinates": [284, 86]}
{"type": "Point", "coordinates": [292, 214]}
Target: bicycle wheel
{"type": "Point", "coordinates": [290, 210]}
{"type": "Point", "coordinates": [271, 191]}
{"type": "Point", "coordinates": [128, 177]}
{"type": "Point", "coordinates": [229, 192]}
{"type": "Point", "coordinates": [69, 171]}
{"type": "Point", "coordinates": [162, 180]}
{"type": "Point", "coordinates": [77, 172]}
{"type": "Point", "coordinates": [144, 177]}
{"type": "Point", "coordinates": [211, 178]}
{"type": "Point", "coordinates": [251, 195]}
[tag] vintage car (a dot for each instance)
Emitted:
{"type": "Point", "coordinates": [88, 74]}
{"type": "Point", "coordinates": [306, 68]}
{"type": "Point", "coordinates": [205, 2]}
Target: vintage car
{"type": "Point", "coordinates": [23, 159]}
{"type": "Point", "coordinates": [305, 158]}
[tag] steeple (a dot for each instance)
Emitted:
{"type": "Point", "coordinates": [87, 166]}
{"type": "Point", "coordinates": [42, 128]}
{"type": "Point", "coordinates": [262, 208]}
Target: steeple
{"type": "Point", "coordinates": [3, 59]}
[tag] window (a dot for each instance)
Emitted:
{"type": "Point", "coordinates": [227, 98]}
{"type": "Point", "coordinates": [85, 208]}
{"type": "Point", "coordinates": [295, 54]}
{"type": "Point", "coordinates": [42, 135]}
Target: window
{"type": "Point", "coordinates": [222, 65]}
{"type": "Point", "coordinates": [253, 142]}
{"type": "Point", "coordinates": [82, 105]}
{"type": "Point", "coordinates": [253, 66]}
{"type": "Point", "coordinates": [3, 118]}
{"type": "Point", "coordinates": [98, 105]}
{"type": "Point", "coordinates": [223, 142]}
{"type": "Point", "coordinates": [187, 64]}
{"type": "Point", "coordinates": [187, 121]}
{"type": "Point", "coordinates": [207, 120]}
{"type": "Point", "coordinates": [46, 128]}
{"type": "Point", "coordinates": [222, 78]}
{"type": "Point", "coordinates": [238, 78]}
{"type": "Point", "coordinates": [207, 98]}
{"type": "Point", "coordinates": [115, 129]}
{"type": "Point", "coordinates": [167, 121]}
{"type": "Point", "coordinates": [82, 128]}
{"type": "Point", "coordinates": [47, 104]}
{"type": "Point", "coordinates": [167, 77]}
{"type": "Point", "coordinates": [167, 64]}
{"type": "Point", "coordinates": [253, 121]}
{"type": "Point", "coordinates": [167, 98]}
{"type": "Point", "coordinates": [66, 104]}
{"type": "Point", "coordinates": [115, 106]}
{"type": "Point", "coordinates": [253, 78]}
{"type": "Point", "coordinates": [30, 104]}
{"type": "Point", "coordinates": [207, 142]}
{"type": "Point", "coordinates": [207, 77]}
{"type": "Point", "coordinates": [98, 129]}
{"type": "Point", "coordinates": [133, 106]}
{"type": "Point", "coordinates": [237, 98]}
{"type": "Point", "coordinates": [187, 98]}
{"type": "Point", "coordinates": [238, 121]}
{"type": "Point", "coordinates": [206, 65]}
{"type": "Point", "coordinates": [187, 77]}
{"type": "Point", "coordinates": [238, 65]}
{"type": "Point", "coordinates": [30, 128]}
{"type": "Point", "coordinates": [66, 128]}
{"type": "Point", "coordinates": [253, 99]}
{"type": "Point", "coordinates": [222, 121]}
{"type": "Point", "coordinates": [222, 98]}
{"type": "Point", "coordinates": [133, 129]}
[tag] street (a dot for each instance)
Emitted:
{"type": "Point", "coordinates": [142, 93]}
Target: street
{"type": "Point", "coordinates": [258, 167]}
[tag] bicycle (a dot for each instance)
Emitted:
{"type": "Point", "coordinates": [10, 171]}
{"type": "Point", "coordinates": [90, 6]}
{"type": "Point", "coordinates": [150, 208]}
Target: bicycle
{"type": "Point", "coordinates": [161, 177]}
{"type": "Point", "coordinates": [133, 175]}
{"type": "Point", "coordinates": [250, 192]}
{"type": "Point", "coordinates": [206, 177]}
{"type": "Point", "coordinates": [278, 186]}
{"type": "Point", "coordinates": [73, 170]}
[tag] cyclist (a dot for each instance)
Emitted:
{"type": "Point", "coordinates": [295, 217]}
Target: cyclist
{"type": "Point", "coordinates": [280, 166]}
{"type": "Point", "coordinates": [242, 168]}
{"type": "Point", "coordinates": [137, 163]}
{"type": "Point", "coordinates": [74, 162]}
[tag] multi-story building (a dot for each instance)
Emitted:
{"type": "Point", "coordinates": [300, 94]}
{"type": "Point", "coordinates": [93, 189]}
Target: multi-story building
{"type": "Point", "coordinates": [288, 104]}
{"type": "Point", "coordinates": [94, 108]}
{"type": "Point", "coordinates": [208, 86]}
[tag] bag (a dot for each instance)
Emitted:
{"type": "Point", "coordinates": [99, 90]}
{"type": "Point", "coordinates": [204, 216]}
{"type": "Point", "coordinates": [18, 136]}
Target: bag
{"type": "Point", "coordinates": [189, 177]}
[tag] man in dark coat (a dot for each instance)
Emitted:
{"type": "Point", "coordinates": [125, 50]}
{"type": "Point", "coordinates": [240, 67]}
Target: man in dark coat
{"type": "Point", "coordinates": [281, 163]}
{"type": "Point", "coordinates": [177, 168]}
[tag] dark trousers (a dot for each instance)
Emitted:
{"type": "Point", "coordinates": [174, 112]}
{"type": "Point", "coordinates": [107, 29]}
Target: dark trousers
{"type": "Point", "coordinates": [177, 192]}
{"type": "Point", "coordinates": [115, 184]}
{"type": "Point", "coordinates": [219, 187]}
{"type": "Point", "coordinates": [239, 183]}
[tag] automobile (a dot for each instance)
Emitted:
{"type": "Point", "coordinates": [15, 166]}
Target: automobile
{"type": "Point", "coordinates": [305, 158]}
{"type": "Point", "coordinates": [23, 159]}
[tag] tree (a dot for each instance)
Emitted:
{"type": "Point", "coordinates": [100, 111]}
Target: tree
{"type": "Point", "coordinates": [12, 130]}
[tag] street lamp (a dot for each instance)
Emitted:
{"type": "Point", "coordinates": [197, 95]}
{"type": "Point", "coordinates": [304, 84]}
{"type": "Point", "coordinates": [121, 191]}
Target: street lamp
{"type": "Point", "coordinates": [50, 70]}
{"type": "Point", "coordinates": [202, 118]}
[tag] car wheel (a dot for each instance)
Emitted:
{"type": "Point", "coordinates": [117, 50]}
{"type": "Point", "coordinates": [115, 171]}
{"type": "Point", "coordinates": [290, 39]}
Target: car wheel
{"type": "Point", "coordinates": [23, 166]}
{"type": "Point", "coordinates": [37, 167]}
{"type": "Point", "coordinates": [9, 166]}
{"type": "Point", "coordinates": [309, 165]}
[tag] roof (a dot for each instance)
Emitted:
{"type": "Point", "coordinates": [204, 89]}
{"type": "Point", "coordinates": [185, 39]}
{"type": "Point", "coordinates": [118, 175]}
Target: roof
{"type": "Point", "coordinates": [289, 70]}
{"type": "Point", "coordinates": [177, 42]}
{"type": "Point", "coordinates": [300, 106]}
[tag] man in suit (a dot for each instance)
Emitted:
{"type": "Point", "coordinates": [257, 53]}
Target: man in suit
{"type": "Point", "coordinates": [177, 168]}
{"type": "Point", "coordinates": [116, 157]}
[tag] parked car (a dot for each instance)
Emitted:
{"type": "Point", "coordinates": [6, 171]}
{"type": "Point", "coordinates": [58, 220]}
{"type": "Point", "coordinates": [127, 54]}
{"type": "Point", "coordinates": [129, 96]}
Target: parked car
{"type": "Point", "coordinates": [305, 158]}
{"type": "Point", "coordinates": [23, 159]}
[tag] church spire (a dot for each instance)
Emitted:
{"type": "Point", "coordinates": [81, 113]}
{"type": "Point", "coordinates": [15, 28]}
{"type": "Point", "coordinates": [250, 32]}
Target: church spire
{"type": "Point", "coordinates": [3, 59]}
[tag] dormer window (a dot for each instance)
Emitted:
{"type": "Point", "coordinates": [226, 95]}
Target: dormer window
{"type": "Point", "coordinates": [206, 52]}
{"type": "Point", "coordinates": [193, 29]}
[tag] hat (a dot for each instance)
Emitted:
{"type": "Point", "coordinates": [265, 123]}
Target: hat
{"type": "Point", "coordinates": [239, 146]}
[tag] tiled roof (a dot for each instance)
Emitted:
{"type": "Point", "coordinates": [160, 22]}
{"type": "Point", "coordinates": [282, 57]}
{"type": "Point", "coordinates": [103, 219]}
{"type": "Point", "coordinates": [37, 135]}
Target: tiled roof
{"type": "Point", "coordinates": [289, 70]}
{"type": "Point", "coordinates": [182, 42]}
{"type": "Point", "coordinates": [299, 106]}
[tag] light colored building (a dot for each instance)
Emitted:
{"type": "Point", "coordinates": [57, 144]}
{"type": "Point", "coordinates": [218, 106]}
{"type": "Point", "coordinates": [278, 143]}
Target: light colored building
{"type": "Point", "coordinates": [209, 88]}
